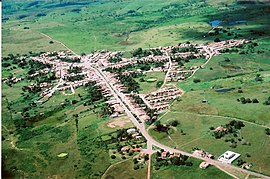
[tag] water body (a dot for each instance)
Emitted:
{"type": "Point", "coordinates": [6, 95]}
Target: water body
{"type": "Point", "coordinates": [224, 90]}
{"type": "Point", "coordinates": [238, 22]}
{"type": "Point", "coordinates": [215, 23]}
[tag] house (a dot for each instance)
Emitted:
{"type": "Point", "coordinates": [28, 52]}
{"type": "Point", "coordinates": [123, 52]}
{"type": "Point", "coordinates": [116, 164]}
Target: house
{"type": "Point", "coordinates": [204, 165]}
{"type": "Point", "coordinates": [164, 155]}
{"type": "Point", "coordinates": [221, 129]}
{"type": "Point", "coordinates": [131, 131]}
{"type": "Point", "coordinates": [228, 157]}
{"type": "Point", "coordinates": [125, 149]}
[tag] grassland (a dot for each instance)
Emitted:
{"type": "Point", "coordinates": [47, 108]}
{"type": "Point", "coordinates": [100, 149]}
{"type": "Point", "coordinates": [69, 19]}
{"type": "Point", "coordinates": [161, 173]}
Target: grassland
{"type": "Point", "coordinates": [188, 172]}
{"type": "Point", "coordinates": [187, 136]}
{"type": "Point", "coordinates": [125, 170]}
{"type": "Point", "coordinates": [195, 117]}
{"type": "Point", "coordinates": [122, 25]}
{"type": "Point", "coordinates": [150, 86]}
{"type": "Point", "coordinates": [40, 143]}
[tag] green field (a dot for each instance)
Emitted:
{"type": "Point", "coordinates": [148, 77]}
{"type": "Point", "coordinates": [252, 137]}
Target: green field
{"type": "Point", "coordinates": [150, 86]}
{"type": "Point", "coordinates": [186, 172]}
{"type": "Point", "coordinates": [125, 170]}
{"type": "Point", "coordinates": [122, 25]}
{"type": "Point", "coordinates": [199, 135]}
{"type": "Point", "coordinates": [195, 117]}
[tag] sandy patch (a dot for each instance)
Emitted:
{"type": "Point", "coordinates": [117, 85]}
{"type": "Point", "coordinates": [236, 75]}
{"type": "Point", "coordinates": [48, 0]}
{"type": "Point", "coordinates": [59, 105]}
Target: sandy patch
{"type": "Point", "coordinates": [116, 124]}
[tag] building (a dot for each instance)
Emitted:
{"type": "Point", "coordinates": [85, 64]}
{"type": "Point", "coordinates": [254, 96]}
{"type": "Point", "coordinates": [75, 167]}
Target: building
{"type": "Point", "coordinates": [228, 157]}
{"type": "Point", "coordinates": [204, 165]}
{"type": "Point", "coordinates": [131, 131]}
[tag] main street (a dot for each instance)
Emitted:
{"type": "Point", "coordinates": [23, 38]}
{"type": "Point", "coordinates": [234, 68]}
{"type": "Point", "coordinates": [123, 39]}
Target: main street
{"type": "Point", "coordinates": [152, 142]}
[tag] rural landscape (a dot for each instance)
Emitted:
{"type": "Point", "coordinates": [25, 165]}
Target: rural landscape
{"type": "Point", "coordinates": [141, 89]}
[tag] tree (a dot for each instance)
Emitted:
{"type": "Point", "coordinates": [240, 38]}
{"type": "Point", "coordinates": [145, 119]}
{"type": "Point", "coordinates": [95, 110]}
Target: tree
{"type": "Point", "coordinates": [267, 131]}
{"type": "Point", "coordinates": [135, 160]}
{"type": "Point", "coordinates": [146, 157]}
{"type": "Point", "coordinates": [136, 167]}
{"type": "Point", "coordinates": [113, 156]}
{"type": "Point", "coordinates": [227, 59]}
{"type": "Point", "coordinates": [196, 80]}
{"type": "Point", "coordinates": [255, 100]}
{"type": "Point", "coordinates": [159, 84]}
{"type": "Point", "coordinates": [76, 116]}
{"type": "Point", "coordinates": [175, 160]}
{"type": "Point", "coordinates": [174, 123]}
{"type": "Point", "coordinates": [217, 40]}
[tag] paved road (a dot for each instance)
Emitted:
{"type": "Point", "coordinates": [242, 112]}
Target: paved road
{"type": "Point", "coordinates": [150, 141]}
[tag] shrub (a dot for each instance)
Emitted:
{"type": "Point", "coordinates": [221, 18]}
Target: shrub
{"type": "Point", "coordinates": [196, 80]}
{"type": "Point", "coordinates": [217, 40]}
{"type": "Point", "coordinates": [174, 123]}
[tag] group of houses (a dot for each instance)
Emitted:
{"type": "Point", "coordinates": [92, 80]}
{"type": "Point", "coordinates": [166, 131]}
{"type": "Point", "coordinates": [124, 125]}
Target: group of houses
{"type": "Point", "coordinates": [61, 62]}
{"type": "Point", "coordinates": [160, 99]}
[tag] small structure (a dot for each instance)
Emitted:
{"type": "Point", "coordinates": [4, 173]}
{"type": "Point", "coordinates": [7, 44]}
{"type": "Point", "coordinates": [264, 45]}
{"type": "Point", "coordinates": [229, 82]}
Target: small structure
{"type": "Point", "coordinates": [62, 155]}
{"type": "Point", "coordinates": [125, 149]}
{"type": "Point", "coordinates": [221, 129]}
{"type": "Point", "coordinates": [131, 131]}
{"type": "Point", "coordinates": [228, 157]}
{"type": "Point", "coordinates": [246, 166]}
{"type": "Point", "coordinates": [204, 165]}
{"type": "Point", "coordinates": [163, 155]}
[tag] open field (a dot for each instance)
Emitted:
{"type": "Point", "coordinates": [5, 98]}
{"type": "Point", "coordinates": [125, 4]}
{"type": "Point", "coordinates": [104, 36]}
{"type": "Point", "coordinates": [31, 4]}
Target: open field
{"type": "Point", "coordinates": [125, 170]}
{"type": "Point", "coordinates": [150, 86]}
{"type": "Point", "coordinates": [187, 135]}
{"type": "Point", "coordinates": [238, 74]}
{"type": "Point", "coordinates": [195, 117]}
{"type": "Point", "coordinates": [187, 172]}
{"type": "Point", "coordinates": [123, 25]}
{"type": "Point", "coordinates": [41, 142]}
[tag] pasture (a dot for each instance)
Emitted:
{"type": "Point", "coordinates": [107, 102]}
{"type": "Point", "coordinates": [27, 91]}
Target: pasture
{"type": "Point", "coordinates": [187, 172]}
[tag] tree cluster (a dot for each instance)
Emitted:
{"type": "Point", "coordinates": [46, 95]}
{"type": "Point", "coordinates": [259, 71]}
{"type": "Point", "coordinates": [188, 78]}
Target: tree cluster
{"type": "Point", "coordinates": [248, 100]}
{"type": "Point", "coordinates": [170, 161]}
{"type": "Point", "coordinates": [267, 102]}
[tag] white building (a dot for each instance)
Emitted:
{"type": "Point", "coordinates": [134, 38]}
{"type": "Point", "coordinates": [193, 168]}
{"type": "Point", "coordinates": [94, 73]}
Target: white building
{"type": "Point", "coordinates": [228, 157]}
{"type": "Point", "coordinates": [131, 131]}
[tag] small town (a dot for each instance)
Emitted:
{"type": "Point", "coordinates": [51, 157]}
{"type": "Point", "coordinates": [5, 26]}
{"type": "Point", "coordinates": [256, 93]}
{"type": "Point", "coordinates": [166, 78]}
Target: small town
{"type": "Point", "coordinates": [72, 71]}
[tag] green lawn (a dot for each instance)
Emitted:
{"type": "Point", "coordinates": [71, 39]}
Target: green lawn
{"type": "Point", "coordinates": [150, 86]}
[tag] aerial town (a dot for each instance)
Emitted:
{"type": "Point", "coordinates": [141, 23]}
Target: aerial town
{"type": "Point", "coordinates": [73, 71]}
{"type": "Point", "coordinates": [141, 89]}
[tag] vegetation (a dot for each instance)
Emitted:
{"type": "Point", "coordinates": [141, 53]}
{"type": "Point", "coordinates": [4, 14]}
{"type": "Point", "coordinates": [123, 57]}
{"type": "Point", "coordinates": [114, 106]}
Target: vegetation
{"type": "Point", "coordinates": [188, 171]}
{"type": "Point", "coordinates": [77, 124]}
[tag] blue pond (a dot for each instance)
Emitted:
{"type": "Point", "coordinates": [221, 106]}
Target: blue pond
{"type": "Point", "coordinates": [224, 90]}
{"type": "Point", "coordinates": [238, 22]}
{"type": "Point", "coordinates": [215, 23]}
